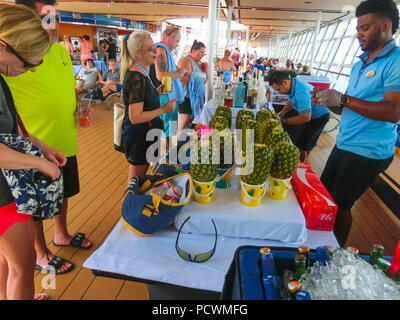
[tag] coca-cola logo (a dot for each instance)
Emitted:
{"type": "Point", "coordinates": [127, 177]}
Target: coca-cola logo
{"type": "Point", "coordinates": [325, 217]}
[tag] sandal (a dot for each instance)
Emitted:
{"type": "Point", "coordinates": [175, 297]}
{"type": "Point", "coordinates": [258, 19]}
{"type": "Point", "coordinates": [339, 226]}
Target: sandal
{"type": "Point", "coordinates": [76, 242]}
{"type": "Point", "coordinates": [56, 263]}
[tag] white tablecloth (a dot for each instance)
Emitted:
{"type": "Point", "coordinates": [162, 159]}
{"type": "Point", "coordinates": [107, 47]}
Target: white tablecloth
{"type": "Point", "coordinates": [280, 220]}
{"type": "Point", "coordinates": [155, 258]}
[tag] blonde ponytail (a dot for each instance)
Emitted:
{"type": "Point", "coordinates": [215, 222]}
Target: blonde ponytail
{"type": "Point", "coordinates": [130, 46]}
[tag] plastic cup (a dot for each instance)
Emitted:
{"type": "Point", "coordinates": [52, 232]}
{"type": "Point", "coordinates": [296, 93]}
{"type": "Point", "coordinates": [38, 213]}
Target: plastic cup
{"type": "Point", "coordinates": [203, 191]}
{"type": "Point", "coordinates": [252, 195]}
{"type": "Point", "coordinates": [279, 188]}
{"type": "Point", "coordinates": [167, 82]}
{"type": "Point", "coordinates": [83, 112]}
{"type": "Point", "coordinates": [203, 67]}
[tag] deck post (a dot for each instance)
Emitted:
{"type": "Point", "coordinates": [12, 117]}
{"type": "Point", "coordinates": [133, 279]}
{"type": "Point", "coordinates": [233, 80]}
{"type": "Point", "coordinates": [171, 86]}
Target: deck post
{"type": "Point", "coordinates": [212, 14]}
{"type": "Point", "coordinates": [314, 44]}
{"type": "Point", "coordinates": [228, 28]}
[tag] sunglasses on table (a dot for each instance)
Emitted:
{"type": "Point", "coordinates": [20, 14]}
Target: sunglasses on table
{"type": "Point", "coordinates": [198, 258]}
{"type": "Point", "coordinates": [27, 65]}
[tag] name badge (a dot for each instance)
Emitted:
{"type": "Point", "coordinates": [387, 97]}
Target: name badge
{"type": "Point", "coordinates": [370, 74]}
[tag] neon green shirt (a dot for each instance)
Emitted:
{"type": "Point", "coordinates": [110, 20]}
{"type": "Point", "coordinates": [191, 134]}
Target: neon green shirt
{"type": "Point", "coordinates": [46, 101]}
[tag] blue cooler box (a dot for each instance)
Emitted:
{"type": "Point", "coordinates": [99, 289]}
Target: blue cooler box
{"type": "Point", "coordinates": [243, 280]}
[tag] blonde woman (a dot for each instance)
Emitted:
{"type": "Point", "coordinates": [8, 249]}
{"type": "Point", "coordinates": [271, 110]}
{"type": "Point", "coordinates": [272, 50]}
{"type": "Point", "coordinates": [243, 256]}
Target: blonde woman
{"type": "Point", "coordinates": [23, 43]}
{"type": "Point", "coordinates": [141, 98]}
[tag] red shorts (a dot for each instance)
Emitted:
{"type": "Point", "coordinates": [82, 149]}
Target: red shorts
{"type": "Point", "coordinates": [9, 215]}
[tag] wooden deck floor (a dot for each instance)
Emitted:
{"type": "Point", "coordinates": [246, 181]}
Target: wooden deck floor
{"type": "Point", "coordinates": [96, 210]}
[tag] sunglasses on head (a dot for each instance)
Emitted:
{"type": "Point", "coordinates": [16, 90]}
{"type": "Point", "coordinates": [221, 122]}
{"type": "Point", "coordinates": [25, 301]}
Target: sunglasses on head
{"type": "Point", "coordinates": [57, 17]}
{"type": "Point", "coordinates": [27, 64]}
{"type": "Point", "coordinates": [198, 258]}
{"type": "Point", "coordinates": [173, 30]}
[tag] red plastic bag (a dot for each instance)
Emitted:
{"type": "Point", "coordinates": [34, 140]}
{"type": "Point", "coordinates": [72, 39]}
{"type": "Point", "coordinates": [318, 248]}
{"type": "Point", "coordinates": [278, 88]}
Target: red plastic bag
{"type": "Point", "coordinates": [317, 205]}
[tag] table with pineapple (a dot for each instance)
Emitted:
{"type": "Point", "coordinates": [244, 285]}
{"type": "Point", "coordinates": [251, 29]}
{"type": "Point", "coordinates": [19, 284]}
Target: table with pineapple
{"type": "Point", "coordinates": [244, 209]}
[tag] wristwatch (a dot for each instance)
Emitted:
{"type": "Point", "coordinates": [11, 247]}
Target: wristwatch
{"type": "Point", "coordinates": [344, 100]}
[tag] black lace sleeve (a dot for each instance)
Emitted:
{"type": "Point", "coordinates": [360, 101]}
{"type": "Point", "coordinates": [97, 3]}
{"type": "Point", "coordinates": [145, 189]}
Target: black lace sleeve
{"type": "Point", "coordinates": [135, 87]}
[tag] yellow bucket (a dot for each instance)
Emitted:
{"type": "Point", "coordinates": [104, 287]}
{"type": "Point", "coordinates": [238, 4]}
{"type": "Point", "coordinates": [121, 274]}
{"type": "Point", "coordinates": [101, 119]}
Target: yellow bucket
{"type": "Point", "coordinates": [203, 191]}
{"type": "Point", "coordinates": [279, 188]}
{"type": "Point", "coordinates": [252, 195]}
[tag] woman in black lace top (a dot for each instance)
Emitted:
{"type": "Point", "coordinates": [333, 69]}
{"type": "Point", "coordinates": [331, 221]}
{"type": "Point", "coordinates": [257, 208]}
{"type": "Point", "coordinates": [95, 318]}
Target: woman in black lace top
{"type": "Point", "coordinates": [141, 99]}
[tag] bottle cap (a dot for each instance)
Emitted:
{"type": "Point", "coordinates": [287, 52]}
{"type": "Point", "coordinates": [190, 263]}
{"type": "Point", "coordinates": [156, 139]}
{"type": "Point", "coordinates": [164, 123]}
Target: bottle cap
{"type": "Point", "coordinates": [265, 251]}
{"type": "Point", "coordinates": [293, 286]}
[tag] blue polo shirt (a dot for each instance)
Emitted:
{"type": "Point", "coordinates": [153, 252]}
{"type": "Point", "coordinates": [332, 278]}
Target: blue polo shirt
{"type": "Point", "coordinates": [370, 81]}
{"type": "Point", "coordinates": [300, 99]}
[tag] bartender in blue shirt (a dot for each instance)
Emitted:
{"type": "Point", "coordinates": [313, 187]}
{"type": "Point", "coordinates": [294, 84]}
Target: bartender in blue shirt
{"type": "Point", "coordinates": [303, 121]}
{"type": "Point", "coordinates": [370, 109]}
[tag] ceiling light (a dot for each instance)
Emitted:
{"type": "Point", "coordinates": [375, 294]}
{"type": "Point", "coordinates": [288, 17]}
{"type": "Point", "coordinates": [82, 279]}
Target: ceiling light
{"type": "Point", "coordinates": [307, 2]}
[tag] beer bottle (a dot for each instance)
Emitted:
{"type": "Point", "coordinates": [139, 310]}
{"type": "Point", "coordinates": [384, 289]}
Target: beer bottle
{"type": "Point", "coordinates": [353, 250]}
{"type": "Point", "coordinates": [299, 266]}
{"type": "Point", "coordinates": [267, 262]}
{"type": "Point", "coordinates": [383, 264]}
{"type": "Point", "coordinates": [269, 288]}
{"type": "Point", "coordinates": [293, 287]}
{"type": "Point", "coordinates": [304, 250]}
{"type": "Point", "coordinates": [330, 250]}
{"type": "Point", "coordinates": [376, 253]}
{"type": "Point", "coordinates": [322, 255]}
{"type": "Point", "coordinates": [303, 295]}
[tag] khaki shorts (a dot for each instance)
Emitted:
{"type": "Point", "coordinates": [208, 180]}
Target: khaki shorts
{"type": "Point", "coordinates": [86, 85]}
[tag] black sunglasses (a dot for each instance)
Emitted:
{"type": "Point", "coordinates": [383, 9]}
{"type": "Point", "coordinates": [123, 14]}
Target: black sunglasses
{"type": "Point", "coordinates": [27, 64]}
{"type": "Point", "coordinates": [201, 257]}
{"type": "Point", "coordinates": [57, 17]}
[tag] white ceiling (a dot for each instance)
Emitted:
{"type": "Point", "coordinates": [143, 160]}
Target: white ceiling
{"type": "Point", "coordinates": [262, 15]}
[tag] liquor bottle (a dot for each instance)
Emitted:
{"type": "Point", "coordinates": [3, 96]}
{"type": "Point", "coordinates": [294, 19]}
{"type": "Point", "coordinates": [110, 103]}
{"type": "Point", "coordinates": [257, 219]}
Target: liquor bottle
{"type": "Point", "coordinates": [299, 266]}
{"type": "Point", "coordinates": [322, 255]}
{"type": "Point", "coordinates": [228, 101]}
{"type": "Point", "coordinates": [238, 102]}
{"type": "Point", "coordinates": [261, 93]}
{"type": "Point", "coordinates": [252, 96]}
{"type": "Point", "coordinates": [246, 86]}
{"type": "Point", "coordinates": [267, 262]}
{"type": "Point", "coordinates": [218, 93]}
{"type": "Point", "coordinates": [375, 253]}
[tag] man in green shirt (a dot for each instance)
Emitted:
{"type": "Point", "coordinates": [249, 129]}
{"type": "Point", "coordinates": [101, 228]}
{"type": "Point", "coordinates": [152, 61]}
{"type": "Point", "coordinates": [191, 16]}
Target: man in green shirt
{"type": "Point", "coordinates": [46, 102]}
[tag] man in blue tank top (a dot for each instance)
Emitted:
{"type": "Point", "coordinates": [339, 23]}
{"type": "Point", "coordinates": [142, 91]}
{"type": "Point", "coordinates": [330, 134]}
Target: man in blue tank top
{"type": "Point", "coordinates": [370, 109]}
{"type": "Point", "coordinates": [165, 66]}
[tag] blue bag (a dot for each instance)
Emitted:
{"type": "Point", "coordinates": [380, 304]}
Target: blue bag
{"type": "Point", "coordinates": [146, 214]}
{"type": "Point", "coordinates": [34, 193]}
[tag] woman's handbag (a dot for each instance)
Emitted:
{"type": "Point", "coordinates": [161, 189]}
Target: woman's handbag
{"type": "Point", "coordinates": [34, 193]}
{"type": "Point", "coordinates": [146, 212]}
{"type": "Point", "coordinates": [119, 113]}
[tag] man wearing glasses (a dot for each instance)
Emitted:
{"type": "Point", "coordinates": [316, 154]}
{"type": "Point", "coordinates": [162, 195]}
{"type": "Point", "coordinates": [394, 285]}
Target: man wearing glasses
{"type": "Point", "coordinates": [46, 102]}
{"type": "Point", "coordinates": [166, 66]}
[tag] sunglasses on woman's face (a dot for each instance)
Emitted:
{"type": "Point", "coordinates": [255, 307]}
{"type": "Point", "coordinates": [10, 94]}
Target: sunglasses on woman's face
{"type": "Point", "coordinates": [198, 258]}
{"type": "Point", "coordinates": [153, 48]}
{"type": "Point", "coordinates": [27, 65]}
